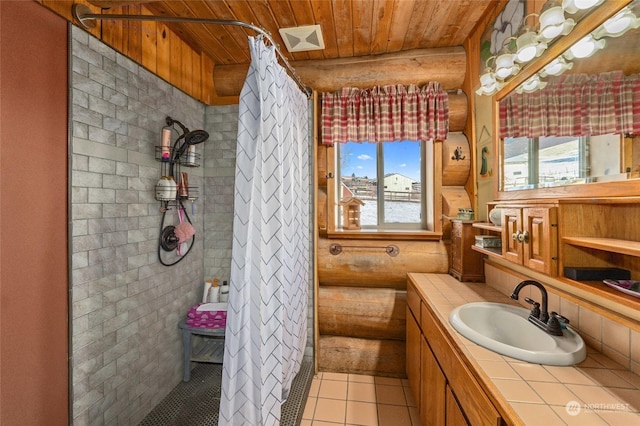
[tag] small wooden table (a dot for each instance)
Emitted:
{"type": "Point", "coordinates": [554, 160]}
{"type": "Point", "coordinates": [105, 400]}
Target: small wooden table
{"type": "Point", "coordinates": [209, 351]}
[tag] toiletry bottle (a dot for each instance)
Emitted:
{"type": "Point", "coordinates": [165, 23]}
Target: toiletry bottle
{"type": "Point", "coordinates": [214, 293]}
{"type": "Point", "coordinates": [166, 142]}
{"type": "Point", "coordinates": [163, 189]}
{"type": "Point", "coordinates": [191, 155]}
{"type": "Point", "coordinates": [224, 292]}
{"type": "Point", "coordinates": [183, 188]}
{"type": "Point", "coordinates": [205, 294]}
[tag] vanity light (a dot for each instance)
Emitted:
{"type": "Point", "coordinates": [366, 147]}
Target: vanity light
{"type": "Point", "coordinates": [618, 24]}
{"type": "Point", "coordinates": [488, 83]}
{"type": "Point", "coordinates": [531, 85]}
{"type": "Point", "coordinates": [586, 47]}
{"type": "Point", "coordinates": [489, 87]}
{"type": "Point", "coordinates": [529, 45]}
{"type": "Point", "coordinates": [572, 6]}
{"type": "Point", "coordinates": [505, 65]}
{"type": "Point", "coordinates": [556, 67]}
{"type": "Point", "coordinates": [553, 22]}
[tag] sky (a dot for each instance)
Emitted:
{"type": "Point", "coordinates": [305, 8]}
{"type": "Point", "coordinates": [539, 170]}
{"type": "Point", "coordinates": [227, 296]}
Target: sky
{"type": "Point", "coordinates": [400, 157]}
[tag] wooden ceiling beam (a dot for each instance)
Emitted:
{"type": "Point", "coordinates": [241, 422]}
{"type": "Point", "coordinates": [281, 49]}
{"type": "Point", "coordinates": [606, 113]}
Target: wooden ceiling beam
{"type": "Point", "coordinates": [446, 65]}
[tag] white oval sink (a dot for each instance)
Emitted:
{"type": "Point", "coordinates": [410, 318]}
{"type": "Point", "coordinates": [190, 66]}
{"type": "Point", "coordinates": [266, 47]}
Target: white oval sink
{"type": "Point", "coordinates": [506, 330]}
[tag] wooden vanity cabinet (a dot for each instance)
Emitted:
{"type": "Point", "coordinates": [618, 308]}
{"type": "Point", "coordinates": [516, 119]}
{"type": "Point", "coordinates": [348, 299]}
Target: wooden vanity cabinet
{"type": "Point", "coordinates": [454, 414]}
{"type": "Point", "coordinates": [413, 345]}
{"type": "Point", "coordinates": [433, 386]}
{"type": "Point", "coordinates": [448, 392]}
{"type": "Point", "coordinates": [530, 237]}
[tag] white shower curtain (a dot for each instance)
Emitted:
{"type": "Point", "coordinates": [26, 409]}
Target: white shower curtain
{"type": "Point", "coordinates": [266, 328]}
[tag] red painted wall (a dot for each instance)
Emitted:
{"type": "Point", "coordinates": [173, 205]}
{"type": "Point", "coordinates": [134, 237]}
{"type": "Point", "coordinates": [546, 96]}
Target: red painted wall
{"type": "Point", "coordinates": [33, 216]}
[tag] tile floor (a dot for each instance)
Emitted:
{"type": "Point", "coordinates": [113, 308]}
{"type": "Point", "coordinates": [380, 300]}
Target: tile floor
{"type": "Point", "coordinates": [353, 399]}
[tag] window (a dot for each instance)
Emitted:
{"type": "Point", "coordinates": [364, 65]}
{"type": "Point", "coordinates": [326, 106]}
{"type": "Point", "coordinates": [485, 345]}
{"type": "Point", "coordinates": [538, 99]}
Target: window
{"type": "Point", "coordinates": [551, 161]}
{"type": "Point", "coordinates": [391, 179]}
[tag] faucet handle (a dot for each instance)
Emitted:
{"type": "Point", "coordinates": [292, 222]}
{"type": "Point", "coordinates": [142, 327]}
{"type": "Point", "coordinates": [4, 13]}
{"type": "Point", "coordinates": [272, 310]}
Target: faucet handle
{"type": "Point", "coordinates": [535, 309]}
{"type": "Point", "coordinates": [559, 317]}
{"type": "Point", "coordinates": [553, 326]}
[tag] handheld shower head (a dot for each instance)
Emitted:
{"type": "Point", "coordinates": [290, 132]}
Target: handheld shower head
{"type": "Point", "coordinates": [195, 137]}
{"type": "Point", "coordinates": [190, 137]}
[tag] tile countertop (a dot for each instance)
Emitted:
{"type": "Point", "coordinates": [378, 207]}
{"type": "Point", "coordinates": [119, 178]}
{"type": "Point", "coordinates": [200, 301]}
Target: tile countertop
{"type": "Point", "coordinates": [597, 391]}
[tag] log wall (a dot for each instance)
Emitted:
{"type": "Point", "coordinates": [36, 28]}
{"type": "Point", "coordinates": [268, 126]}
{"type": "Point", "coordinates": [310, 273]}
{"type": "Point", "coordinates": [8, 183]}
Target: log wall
{"type": "Point", "coordinates": [357, 343]}
{"type": "Point", "coordinates": [419, 66]}
{"type": "Point", "coordinates": [372, 267]}
{"type": "Point", "coordinates": [362, 312]}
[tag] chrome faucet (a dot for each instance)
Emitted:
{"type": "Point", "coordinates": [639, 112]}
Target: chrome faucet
{"type": "Point", "coordinates": [539, 316]}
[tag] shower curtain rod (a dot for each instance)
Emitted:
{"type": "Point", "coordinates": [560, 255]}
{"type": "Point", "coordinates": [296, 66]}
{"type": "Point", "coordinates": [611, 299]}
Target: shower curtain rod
{"type": "Point", "coordinates": [87, 19]}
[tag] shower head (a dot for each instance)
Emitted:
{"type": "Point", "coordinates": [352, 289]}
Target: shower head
{"type": "Point", "coordinates": [195, 137]}
{"type": "Point", "coordinates": [190, 137]}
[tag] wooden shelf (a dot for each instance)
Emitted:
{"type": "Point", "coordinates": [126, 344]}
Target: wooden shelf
{"type": "Point", "coordinates": [600, 289]}
{"type": "Point", "coordinates": [490, 251]}
{"type": "Point", "coordinates": [631, 248]}
{"type": "Point", "coordinates": [488, 226]}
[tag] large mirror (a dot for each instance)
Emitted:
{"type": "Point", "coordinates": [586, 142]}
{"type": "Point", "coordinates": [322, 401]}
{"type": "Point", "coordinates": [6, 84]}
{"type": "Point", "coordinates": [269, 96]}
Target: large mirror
{"type": "Point", "coordinates": [568, 118]}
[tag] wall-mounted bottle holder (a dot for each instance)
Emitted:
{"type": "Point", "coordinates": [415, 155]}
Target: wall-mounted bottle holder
{"type": "Point", "coordinates": [163, 193]}
{"type": "Point", "coordinates": [173, 189]}
{"type": "Point", "coordinates": [190, 159]}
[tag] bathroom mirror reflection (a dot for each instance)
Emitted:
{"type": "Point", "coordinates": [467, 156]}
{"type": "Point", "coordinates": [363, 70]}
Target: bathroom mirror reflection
{"type": "Point", "coordinates": [564, 125]}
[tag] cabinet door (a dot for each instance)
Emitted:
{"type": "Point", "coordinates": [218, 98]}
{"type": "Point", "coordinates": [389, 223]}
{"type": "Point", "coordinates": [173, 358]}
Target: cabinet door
{"type": "Point", "coordinates": [455, 416]}
{"type": "Point", "coordinates": [540, 249]}
{"type": "Point", "coordinates": [511, 226]}
{"type": "Point", "coordinates": [413, 354]}
{"type": "Point", "coordinates": [432, 390]}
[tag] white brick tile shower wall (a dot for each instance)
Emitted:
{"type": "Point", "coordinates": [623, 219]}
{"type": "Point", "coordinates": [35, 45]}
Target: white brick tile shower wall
{"type": "Point", "coordinates": [219, 179]}
{"type": "Point", "coordinates": [126, 349]}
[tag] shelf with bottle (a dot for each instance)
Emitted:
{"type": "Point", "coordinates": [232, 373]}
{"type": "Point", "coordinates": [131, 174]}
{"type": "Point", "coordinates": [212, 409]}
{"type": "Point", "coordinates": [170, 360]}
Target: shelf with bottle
{"type": "Point", "coordinates": [164, 154]}
{"type": "Point", "coordinates": [167, 189]}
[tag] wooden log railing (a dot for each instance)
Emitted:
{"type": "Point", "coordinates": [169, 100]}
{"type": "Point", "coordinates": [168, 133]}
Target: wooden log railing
{"type": "Point", "coordinates": [392, 250]}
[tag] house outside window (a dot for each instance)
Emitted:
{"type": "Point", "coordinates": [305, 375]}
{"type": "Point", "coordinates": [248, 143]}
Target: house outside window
{"type": "Point", "coordinates": [551, 161]}
{"type": "Point", "coordinates": [389, 178]}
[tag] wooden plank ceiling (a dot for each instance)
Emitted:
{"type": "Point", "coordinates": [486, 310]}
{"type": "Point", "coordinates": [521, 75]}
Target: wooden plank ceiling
{"type": "Point", "coordinates": [350, 28]}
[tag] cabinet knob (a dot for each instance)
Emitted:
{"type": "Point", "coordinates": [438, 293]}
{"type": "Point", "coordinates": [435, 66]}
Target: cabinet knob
{"type": "Point", "coordinates": [523, 237]}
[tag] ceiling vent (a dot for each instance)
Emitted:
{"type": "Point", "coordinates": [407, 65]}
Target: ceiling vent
{"type": "Point", "coordinates": [301, 39]}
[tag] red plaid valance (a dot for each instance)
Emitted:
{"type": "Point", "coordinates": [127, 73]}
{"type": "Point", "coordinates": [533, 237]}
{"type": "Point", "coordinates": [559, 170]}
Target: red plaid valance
{"type": "Point", "coordinates": [575, 105]}
{"type": "Point", "coordinates": [385, 114]}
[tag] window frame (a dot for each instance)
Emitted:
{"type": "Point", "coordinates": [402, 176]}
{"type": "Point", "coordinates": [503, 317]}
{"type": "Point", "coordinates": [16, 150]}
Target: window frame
{"type": "Point", "coordinates": [430, 226]}
{"type": "Point", "coordinates": [533, 163]}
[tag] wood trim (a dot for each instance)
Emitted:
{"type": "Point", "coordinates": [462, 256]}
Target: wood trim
{"type": "Point", "coordinates": [582, 28]}
{"type": "Point", "coordinates": [399, 234]}
{"type": "Point", "coordinates": [586, 190]}
{"type": "Point", "coordinates": [154, 46]}
{"type": "Point", "coordinates": [316, 235]}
